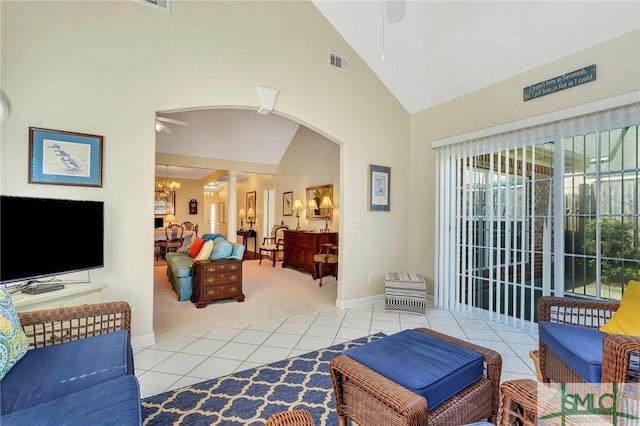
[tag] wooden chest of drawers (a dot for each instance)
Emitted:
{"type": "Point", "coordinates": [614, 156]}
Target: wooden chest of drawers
{"type": "Point", "coordinates": [216, 279]}
{"type": "Point", "coordinates": [300, 247]}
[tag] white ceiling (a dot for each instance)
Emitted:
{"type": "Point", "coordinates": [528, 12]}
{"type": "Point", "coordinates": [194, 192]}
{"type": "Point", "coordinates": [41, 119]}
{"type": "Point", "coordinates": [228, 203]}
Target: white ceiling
{"type": "Point", "coordinates": [438, 51]}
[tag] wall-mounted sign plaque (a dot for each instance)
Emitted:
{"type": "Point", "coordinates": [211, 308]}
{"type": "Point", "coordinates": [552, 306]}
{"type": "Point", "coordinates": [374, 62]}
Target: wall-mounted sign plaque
{"type": "Point", "coordinates": [556, 84]}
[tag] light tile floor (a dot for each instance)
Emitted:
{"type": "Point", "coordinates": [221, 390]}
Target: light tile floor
{"type": "Point", "coordinates": [182, 361]}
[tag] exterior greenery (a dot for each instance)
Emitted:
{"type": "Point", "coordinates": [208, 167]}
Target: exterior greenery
{"type": "Point", "coordinates": [619, 250]}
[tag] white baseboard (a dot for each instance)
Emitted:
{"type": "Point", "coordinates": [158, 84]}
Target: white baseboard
{"type": "Point", "coordinates": [351, 303]}
{"type": "Point", "coordinates": [142, 341]}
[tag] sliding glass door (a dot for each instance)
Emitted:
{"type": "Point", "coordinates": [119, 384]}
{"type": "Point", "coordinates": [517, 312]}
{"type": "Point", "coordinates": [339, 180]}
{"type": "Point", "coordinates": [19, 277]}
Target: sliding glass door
{"type": "Point", "coordinates": [540, 211]}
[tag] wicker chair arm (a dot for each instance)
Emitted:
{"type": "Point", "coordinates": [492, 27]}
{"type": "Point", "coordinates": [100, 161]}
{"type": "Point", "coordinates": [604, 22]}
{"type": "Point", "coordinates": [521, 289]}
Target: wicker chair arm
{"type": "Point", "coordinates": [53, 326]}
{"type": "Point", "coordinates": [291, 418]}
{"type": "Point", "coordinates": [390, 394]}
{"type": "Point", "coordinates": [569, 310]}
{"type": "Point", "coordinates": [619, 354]}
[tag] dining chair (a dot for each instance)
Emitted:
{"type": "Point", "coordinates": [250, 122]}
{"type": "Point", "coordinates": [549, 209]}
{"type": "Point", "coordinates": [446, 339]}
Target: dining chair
{"type": "Point", "coordinates": [188, 226]}
{"type": "Point", "coordinates": [327, 256]}
{"type": "Point", "coordinates": [173, 239]}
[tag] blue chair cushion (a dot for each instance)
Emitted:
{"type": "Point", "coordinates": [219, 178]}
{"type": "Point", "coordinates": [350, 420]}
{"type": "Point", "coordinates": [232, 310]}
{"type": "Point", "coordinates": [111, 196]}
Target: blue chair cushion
{"type": "Point", "coordinates": [113, 403]}
{"type": "Point", "coordinates": [180, 264]}
{"type": "Point", "coordinates": [422, 363]}
{"type": "Point", "coordinates": [580, 347]}
{"type": "Point", "coordinates": [52, 372]}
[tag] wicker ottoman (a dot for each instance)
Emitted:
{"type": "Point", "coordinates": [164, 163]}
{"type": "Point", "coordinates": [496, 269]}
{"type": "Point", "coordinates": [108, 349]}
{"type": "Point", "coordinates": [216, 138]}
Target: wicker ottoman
{"type": "Point", "coordinates": [369, 398]}
{"type": "Point", "coordinates": [405, 293]}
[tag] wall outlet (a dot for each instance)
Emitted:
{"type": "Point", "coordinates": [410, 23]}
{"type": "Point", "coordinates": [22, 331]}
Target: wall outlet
{"type": "Point", "coordinates": [370, 278]}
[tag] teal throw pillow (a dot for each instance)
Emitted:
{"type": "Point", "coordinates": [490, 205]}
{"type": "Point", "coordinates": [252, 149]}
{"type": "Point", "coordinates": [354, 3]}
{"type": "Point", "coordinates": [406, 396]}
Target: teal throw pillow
{"type": "Point", "coordinates": [221, 250]}
{"type": "Point", "coordinates": [13, 342]}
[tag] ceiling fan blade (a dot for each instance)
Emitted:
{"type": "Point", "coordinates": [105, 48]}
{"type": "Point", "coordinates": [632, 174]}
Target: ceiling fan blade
{"type": "Point", "coordinates": [171, 120]}
{"type": "Point", "coordinates": [396, 10]}
{"type": "Point", "coordinates": [166, 129]}
{"type": "Point", "coordinates": [160, 127]}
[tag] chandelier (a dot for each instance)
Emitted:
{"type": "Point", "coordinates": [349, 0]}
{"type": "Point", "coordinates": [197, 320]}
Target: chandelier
{"type": "Point", "coordinates": [167, 186]}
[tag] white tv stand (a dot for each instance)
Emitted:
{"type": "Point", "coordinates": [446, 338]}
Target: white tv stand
{"type": "Point", "coordinates": [70, 295]}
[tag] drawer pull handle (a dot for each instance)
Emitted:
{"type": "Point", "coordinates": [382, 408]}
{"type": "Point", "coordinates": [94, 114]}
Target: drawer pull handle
{"type": "Point", "coordinates": [211, 292]}
{"type": "Point", "coordinates": [211, 280]}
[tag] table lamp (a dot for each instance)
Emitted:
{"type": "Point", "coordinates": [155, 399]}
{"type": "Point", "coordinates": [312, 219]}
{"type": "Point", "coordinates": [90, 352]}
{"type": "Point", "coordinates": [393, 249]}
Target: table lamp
{"type": "Point", "coordinates": [297, 206]}
{"type": "Point", "coordinates": [251, 217]}
{"type": "Point", "coordinates": [326, 204]}
{"type": "Point", "coordinates": [241, 213]}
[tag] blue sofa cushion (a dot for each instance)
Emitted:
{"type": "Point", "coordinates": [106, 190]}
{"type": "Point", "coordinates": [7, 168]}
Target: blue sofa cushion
{"type": "Point", "coordinates": [52, 372]}
{"type": "Point", "coordinates": [208, 237]}
{"type": "Point", "coordinates": [580, 347]}
{"type": "Point", "coordinates": [422, 363]}
{"type": "Point", "coordinates": [115, 402]}
{"type": "Point", "coordinates": [180, 264]}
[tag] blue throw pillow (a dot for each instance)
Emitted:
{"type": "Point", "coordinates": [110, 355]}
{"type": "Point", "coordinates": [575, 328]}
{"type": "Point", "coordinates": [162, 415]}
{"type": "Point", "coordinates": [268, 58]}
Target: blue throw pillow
{"type": "Point", "coordinates": [221, 250]}
{"type": "Point", "coordinates": [238, 251]}
{"type": "Point", "coordinates": [208, 237]}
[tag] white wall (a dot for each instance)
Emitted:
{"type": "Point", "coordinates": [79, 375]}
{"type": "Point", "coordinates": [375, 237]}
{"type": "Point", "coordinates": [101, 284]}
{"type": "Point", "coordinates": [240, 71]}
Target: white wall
{"type": "Point", "coordinates": [106, 67]}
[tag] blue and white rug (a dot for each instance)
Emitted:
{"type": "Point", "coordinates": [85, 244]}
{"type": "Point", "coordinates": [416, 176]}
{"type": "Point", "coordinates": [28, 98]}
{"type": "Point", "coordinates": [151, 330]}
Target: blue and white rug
{"type": "Point", "coordinates": [249, 397]}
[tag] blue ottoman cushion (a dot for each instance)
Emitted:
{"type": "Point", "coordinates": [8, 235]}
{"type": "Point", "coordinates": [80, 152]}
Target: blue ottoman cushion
{"type": "Point", "coordinates": [578, 346]}
{"type": "Point", "coordinates": [52, 372]}
{"type": "Point", "coordinates": [115, 402]}
{"type": "Point", "coordinates": [422, 363]}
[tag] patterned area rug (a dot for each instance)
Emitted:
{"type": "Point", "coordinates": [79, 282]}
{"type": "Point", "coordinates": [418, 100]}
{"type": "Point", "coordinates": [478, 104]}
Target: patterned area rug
{"type": "Point", "coordinates": [251, 396]}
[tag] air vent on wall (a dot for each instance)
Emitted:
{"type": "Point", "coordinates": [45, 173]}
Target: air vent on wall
{"type": "Point", "coordinates": [337, 61]}
{"type": "Point", "coordinates": [159, 4]}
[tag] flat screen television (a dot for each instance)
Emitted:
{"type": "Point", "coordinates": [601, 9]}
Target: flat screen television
{"type": "Point", "coordinates": [45, 237]}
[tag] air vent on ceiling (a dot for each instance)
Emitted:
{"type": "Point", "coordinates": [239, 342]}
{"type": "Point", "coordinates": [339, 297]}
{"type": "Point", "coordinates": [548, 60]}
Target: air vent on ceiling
{"type": "Point", "coordinates": [159, 4]}
{"type": "Point", "coordinates": [337, 61]}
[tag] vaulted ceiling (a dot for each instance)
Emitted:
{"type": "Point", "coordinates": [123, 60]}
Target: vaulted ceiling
{"type": "Point", "coordinates": [437, 51]}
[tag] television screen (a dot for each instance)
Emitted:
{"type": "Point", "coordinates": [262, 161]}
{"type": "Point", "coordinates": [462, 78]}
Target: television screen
{"type": "Point", "coordinates": [159, 222]}
{"type": "Point", "coordinates": [44, 237]}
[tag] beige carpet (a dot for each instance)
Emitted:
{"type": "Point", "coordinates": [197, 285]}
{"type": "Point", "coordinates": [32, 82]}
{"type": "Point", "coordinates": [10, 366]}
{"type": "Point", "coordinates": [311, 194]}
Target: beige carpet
{"type": "Point", "coordinates": [270, 293]}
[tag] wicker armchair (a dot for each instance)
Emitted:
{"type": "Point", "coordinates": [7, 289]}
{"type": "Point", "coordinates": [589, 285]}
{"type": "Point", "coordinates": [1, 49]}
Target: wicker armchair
{"type": "Point", "coordinates": [53, 326]}
{"type": "Point", "coordinates": [368, 398]}
{"type": "Point", "coordinates": [620, 352]}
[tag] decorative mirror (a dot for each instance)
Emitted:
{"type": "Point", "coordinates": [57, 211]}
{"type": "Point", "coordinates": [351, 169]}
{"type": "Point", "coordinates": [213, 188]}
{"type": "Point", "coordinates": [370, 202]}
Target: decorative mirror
{"type": "Point", "coordinates": [315, 194]}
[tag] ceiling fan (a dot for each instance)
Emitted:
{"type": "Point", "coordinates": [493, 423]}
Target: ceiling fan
{"type": "Point", "coordinates": [162, 127]}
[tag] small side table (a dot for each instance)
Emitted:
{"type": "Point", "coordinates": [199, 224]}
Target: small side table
{"type": "Point", "coordinates": [405, 293]}
{"type": "Point", "coordinates": [246, 234]}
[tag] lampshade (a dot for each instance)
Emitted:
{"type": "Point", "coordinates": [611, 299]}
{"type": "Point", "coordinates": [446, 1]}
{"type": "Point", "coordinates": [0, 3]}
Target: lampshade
{"type": "Point", "coordinates": [326, 203]}
{"type": "Point", "coordinates": [241, 213]}
{"type": "Point", "coordinates": [297, 205]}
{"type": "Point", "coordinates": [250, 213]}
{"type": "Point", "coordinates": [170, 218]}
{"type": "Point", "coordinates": [313, 205]}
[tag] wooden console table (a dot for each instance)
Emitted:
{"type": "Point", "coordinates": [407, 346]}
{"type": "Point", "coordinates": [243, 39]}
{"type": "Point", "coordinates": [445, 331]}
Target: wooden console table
{"type": "Point", "coordinates": [301, 246]}
{"type": "Point", "coordinates": [70, 295]}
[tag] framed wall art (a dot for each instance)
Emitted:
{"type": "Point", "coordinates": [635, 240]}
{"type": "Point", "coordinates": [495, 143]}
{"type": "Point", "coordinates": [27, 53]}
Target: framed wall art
{"type": "Point", "coordinates": [379, 188]}
{"type": "Point", "coordinates": [251, 203]}
{"type": "Point", "coordinates": [57, 157]}
{"type": "Point", "coordinates": [221, 217]}
{"type": "Point", "coordinates": [287, 204]}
